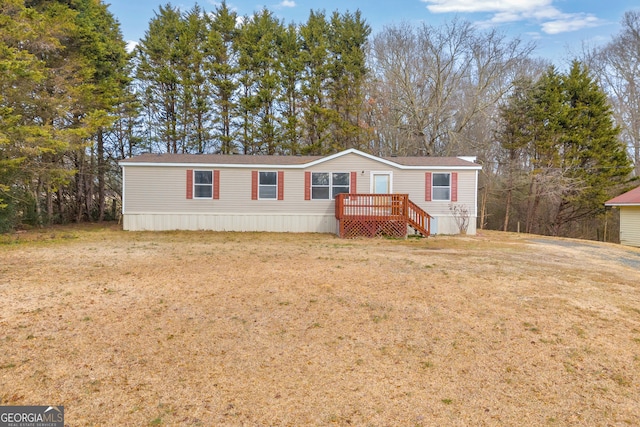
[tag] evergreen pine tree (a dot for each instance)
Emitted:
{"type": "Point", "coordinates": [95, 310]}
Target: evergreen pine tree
{"type": "Point", "coordinates": [222, 67]}
{"type": "Point", "coordinates": [291, 67]}
{"type": "Point", "coordinates": [317, 114]}
{"type": "Point", "coordinates": [592, 155]}
{"type": "Point", "coordinates": [565, 126]}
{"type": "Point", "coordinates": [259, 44]}
{"type": "Point", "coordinates": [158, 70]}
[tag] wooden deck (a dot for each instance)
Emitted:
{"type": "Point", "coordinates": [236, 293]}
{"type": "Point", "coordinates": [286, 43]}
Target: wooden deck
{"type": "Point", "coordinates": [371, 215]}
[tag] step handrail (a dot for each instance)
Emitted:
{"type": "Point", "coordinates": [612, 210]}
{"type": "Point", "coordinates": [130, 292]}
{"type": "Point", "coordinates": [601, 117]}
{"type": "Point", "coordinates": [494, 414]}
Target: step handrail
{"type": "Point", "coordinates": [418, 218]}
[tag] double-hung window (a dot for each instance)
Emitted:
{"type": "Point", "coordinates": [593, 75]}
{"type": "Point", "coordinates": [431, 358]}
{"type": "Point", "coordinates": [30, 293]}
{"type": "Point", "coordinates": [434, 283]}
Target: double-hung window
{"type": "Point", "coordinates": [327, 185]}
{"type": "Point", "coordinates": [339, 183]}
{"type": "Point", "coordinates": [202, 184]}
{"type": "Point", "coordinates": [441, 186]}
{"type": "Point", "coordinates": [268, 185]}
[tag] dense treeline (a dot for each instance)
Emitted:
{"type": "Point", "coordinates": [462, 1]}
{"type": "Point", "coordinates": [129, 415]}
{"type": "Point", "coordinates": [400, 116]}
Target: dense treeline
{"type": "Point", "coordinates": [210, 84]}
{"type": "Point", "coordinates": [553, 145]}
{"type": "Point", "coordinates": [63, 69]}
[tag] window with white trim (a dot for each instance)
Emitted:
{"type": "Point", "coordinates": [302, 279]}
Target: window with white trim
{"type": "Point", "coordinates": [441, 186]}
{"type": "Point", "coordinates": [202, 184]}
{"type": "Point", "coordinates": [268, 185]}
{"type": "Point", "coordinates": [325, 185]}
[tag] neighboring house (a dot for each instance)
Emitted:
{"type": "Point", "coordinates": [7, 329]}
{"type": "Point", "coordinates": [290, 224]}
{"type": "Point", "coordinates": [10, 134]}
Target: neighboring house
{"type": "Point", "coordinates": [629, 205]}
{"type": "Point", "coordinates": [286, 193]}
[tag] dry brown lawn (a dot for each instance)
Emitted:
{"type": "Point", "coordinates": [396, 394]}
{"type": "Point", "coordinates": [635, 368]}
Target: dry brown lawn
{"type": "Point", "coordinates": [258, 329]}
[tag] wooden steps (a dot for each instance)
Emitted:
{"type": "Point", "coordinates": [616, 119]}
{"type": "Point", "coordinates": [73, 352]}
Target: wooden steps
{"type": "Point", "coordinates": [371, 215]}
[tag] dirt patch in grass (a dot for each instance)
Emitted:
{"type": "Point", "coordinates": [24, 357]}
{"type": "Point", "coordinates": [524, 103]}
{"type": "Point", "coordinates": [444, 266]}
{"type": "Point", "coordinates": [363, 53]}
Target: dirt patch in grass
{"type": "Point", "coordinates": [201, 328]}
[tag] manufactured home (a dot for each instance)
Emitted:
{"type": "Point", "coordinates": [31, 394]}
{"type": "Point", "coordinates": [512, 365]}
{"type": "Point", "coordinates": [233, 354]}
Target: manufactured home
{"type": "Point", "coordinates": [344, 193]}
{"type": "Point", "coordinates": [629, 205]}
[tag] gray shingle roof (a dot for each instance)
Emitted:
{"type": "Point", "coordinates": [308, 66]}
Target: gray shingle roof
{"type": "Point", "coordinates": [221, 159]}
{"type": "Point", "coordinates": [240, 159]}
{"type": "Point", "coordinates": [429, 161]}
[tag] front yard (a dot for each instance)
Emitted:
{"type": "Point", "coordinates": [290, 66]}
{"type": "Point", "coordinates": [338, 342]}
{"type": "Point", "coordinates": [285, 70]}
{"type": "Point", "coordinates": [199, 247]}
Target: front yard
{"type": "Point", "coordinates": [258, 329]}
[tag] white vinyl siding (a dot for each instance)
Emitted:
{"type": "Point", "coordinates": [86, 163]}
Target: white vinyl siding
{"type": "Point", "coordinates": [158, 190]}
{"type": "Point", "coordinates": [630, 225]}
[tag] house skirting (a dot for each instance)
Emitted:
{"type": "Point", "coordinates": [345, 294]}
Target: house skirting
{"type": "Point", "coordinates": [448, 225]}
{"type": "Point", "coordinates": [230, 222]}
{"type": "Point", "coordinates": [287, 223]}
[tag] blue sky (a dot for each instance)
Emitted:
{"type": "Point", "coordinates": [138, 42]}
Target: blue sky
{"type": "Point", "coordinates": [558, 27]}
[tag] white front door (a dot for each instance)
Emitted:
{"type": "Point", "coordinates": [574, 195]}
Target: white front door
{"type": "Point", "coordinates": [381, 182]}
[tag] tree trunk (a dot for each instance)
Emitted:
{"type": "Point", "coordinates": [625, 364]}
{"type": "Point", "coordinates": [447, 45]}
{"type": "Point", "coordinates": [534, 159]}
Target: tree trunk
{"type": "Point", "coordinates": [483, 202]}
{"type": "Point", "coordinates": [101, 172]}
{"type": "Point", "coordinates": [49, 206]}
{"type": "Point", "coordinates": [505, 226]}
{"type": "Point", "coordinates": [79, 187]}
{"type": "Point", "coordinates": [88, 186]}
{"type": "Point", "coordinates": [534, 201]}
{"type": "Point", "coordinates": [36, 199]}
{"type": "Point", "coordinates": [61, 206]}
{"type": "Point", "coordinates": [483, 207]}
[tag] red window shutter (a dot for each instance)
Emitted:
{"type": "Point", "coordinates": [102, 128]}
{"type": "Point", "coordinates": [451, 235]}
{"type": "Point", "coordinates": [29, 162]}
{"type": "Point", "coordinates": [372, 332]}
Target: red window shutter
{"type": "Point", "coordinates": [307, 185]}
{"type": "Point", "coordinates": [189, 184]}
{"type": "Point", "coordinates": [254, 185]}
{"type": "Point", "coordinates": [454, 186]}
{"type": "Point", "coordinates": [427, 186]}
{"type": "Point", "coordinates": [216, 184]}
{"type": "Point", "coordinates": [353, 187]}
{"type": "Point", "coordinates": [280, 185]}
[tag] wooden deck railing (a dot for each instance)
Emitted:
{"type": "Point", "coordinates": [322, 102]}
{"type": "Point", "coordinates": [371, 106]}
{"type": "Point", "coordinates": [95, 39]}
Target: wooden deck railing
{"type": "Point", "coordinates": [419, 219]}
{"type": "Point", "coordinates": [374, 214]}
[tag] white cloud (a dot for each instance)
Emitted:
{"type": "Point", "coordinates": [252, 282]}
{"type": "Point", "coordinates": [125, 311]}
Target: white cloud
{"type": "Point", "coordinates": [445, 6]}
{"type": "Point", "coordinates": [550, 19]}
{"type": "Point", "coordinates": [534, 35]}
{"type": "Point", "coordinates": [285, 3]}
{"type": "Point", "coordinates": [570, 22]}
{"type": "Point", "coordinates": [504, 17]}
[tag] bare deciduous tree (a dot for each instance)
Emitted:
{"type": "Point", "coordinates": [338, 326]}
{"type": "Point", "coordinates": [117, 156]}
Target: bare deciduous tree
{"type": "Point", "coordinates": [433, 85]}
{"type": "Point", "coordinates": [618, 68]}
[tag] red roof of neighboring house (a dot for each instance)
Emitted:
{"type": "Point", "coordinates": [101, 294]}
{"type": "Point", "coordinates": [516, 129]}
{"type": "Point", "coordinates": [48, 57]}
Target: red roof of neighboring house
{"type": "Point", "coordinates": [630, 198]}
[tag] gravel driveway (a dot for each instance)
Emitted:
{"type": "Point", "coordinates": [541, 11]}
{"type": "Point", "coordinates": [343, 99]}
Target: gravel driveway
{"type": "Point", "coordinates": [625, 255]}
